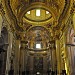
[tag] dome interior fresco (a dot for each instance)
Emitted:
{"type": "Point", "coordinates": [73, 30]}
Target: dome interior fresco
{"type": "Point", "coordinates": [37, 15]}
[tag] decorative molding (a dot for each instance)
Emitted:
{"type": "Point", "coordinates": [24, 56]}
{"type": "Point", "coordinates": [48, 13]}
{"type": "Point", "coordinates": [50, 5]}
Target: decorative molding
{"type": "Point", "coordinates": [6, 4]}
{"type": "Point", "coordinates": [66, 11]}
{"type": "Point", "coordinates": [18, 36]}
{"type": "Point", "coordinates": [1, 9]}
{"type": "Point", "coordinates": [34, 5]}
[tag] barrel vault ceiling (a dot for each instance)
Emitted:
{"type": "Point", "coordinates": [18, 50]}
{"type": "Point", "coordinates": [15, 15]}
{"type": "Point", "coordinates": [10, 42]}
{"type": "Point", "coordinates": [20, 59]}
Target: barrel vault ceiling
{"type": "Point", "coordinates": [58, 9]}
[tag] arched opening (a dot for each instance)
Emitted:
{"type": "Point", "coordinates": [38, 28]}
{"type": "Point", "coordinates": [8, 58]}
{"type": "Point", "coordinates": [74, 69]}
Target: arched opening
{"type": "Point", "coordinates": [38, 56]}
{"type": "Point", "coordinates": [38, 38]}
{"type": "Point", "coordinates": [3, 50]}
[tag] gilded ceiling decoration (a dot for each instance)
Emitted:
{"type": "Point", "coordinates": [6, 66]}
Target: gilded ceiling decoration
{"type": "Point", "coordinates": [38, 36]}
{"type": "Point", "coordinates": [43, 15]}
{"type": "Point", "coordinates": [58, 12]}
{"type": "Point", "coordinates": [38, 33]}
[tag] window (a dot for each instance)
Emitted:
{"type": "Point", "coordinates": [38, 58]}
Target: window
{"type": "Point", "coordinates": [47, 12]}
{"type": "Point", "coordinates": [38, 46]}
{"type": "Point", "coordinates": [38, 12]}
{"type": "Point", "coordinates": [28, 12]}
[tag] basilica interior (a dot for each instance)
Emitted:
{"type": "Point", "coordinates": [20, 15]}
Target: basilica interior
{"type": "Point", "coordinates": [37, 37]}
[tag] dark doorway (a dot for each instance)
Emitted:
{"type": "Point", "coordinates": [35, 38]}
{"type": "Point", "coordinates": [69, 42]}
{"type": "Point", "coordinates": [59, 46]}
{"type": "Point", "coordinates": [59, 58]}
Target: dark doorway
{"type": "Point", "coordinates": [3, 50]}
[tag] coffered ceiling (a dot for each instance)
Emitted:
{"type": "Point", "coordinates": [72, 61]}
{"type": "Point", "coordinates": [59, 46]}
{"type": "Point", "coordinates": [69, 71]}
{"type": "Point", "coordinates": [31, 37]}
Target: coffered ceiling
{"type": "Point", "coordinates": [59, 10]}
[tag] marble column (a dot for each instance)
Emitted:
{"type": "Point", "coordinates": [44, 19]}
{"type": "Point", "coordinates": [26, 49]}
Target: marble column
{"type": "Point", "coordinates": [9, 51]}
{"type": "Point", "coordinates": [58, 57]}
{"type": "Point", "coordinates": [17, 56]}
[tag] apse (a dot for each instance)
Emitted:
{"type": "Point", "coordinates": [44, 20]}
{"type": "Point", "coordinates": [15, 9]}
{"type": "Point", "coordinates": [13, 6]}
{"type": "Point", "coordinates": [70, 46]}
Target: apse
{"type": "Point", "coordinates": [38, 38]}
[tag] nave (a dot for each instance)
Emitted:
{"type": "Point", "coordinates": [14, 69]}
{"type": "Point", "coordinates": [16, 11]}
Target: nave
{"type": "Point", "coordinates": [37, 37]}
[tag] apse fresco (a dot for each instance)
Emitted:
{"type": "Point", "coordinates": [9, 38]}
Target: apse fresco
{"type": "Point", "coordinates": [38, 36]}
